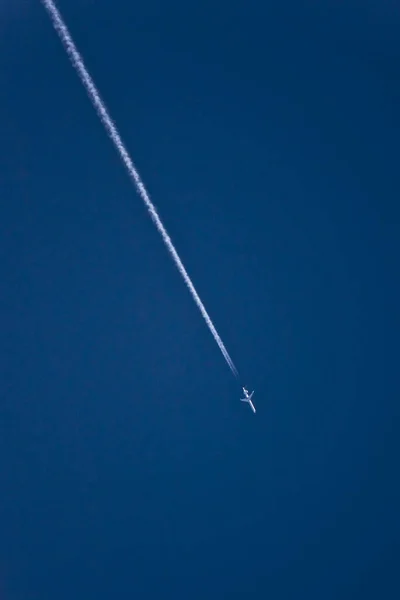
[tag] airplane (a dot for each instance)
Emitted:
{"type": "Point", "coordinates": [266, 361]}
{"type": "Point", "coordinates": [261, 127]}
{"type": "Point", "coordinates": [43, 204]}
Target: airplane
{"type": "Point", "coordinates": [248, 399]}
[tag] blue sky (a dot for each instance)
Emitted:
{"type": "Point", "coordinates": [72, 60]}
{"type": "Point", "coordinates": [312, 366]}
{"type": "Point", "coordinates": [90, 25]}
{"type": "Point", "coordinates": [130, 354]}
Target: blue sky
{"type": "Point", "coordinates": [267, 137]}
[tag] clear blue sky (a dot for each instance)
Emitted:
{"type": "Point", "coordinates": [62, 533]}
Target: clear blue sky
{"type": "Point", "coordinates": [268, 136]}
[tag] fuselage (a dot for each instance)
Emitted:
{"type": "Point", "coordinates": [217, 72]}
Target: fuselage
{"type": "Point", "coordinates": [247, 399]}
{"type": "Point", "coordinates": [252, 406]}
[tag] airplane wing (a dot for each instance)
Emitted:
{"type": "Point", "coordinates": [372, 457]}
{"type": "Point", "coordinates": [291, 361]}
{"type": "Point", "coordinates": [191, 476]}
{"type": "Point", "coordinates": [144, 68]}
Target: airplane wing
{"type": "Point", "coordinates": [248, 399]}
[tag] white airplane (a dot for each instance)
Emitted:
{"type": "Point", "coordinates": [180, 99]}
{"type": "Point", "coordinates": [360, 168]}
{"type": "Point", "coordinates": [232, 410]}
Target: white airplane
{"type": "Point", "coordinates": [248, 398]}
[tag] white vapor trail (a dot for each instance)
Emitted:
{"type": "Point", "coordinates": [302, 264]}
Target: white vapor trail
{"type": "Point", "coordinates": [112, 131]}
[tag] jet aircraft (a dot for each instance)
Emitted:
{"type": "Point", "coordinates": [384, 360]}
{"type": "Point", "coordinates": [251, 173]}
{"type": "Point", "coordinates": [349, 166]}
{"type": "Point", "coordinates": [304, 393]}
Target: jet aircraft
{"type": "Point", "coordinates": [248, 398]}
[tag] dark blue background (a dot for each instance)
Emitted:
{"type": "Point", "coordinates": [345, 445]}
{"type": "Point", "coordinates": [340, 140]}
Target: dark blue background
{"type": "Point", "coordinates": [268, 137]}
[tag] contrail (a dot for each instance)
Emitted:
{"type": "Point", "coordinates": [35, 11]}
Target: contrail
{"type": "Point", "coordinates": [112, 131]}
